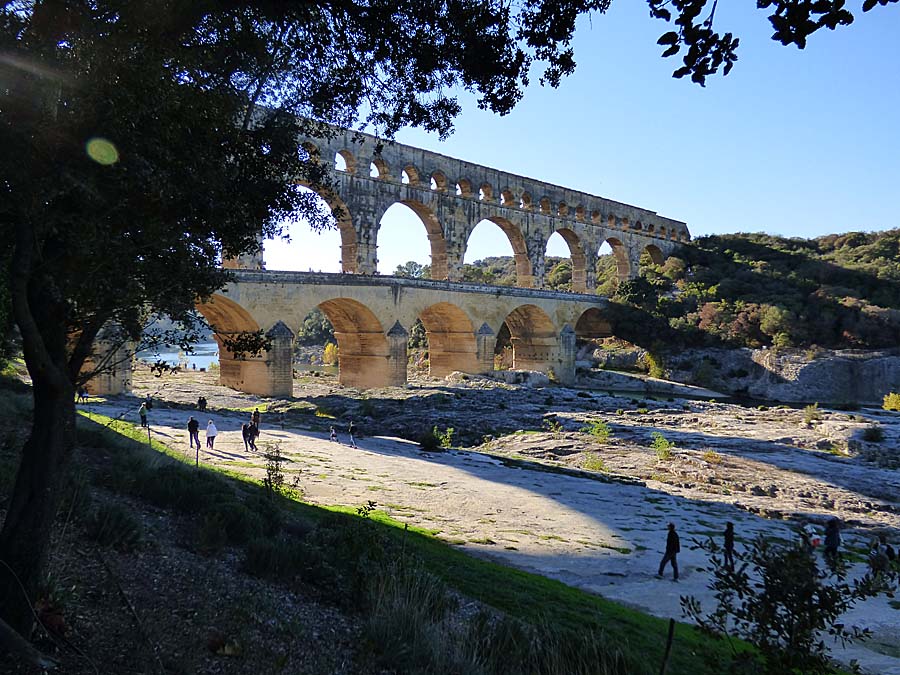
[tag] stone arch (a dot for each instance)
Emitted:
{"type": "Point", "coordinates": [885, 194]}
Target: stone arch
{"type": "Point", "coordinates": [312, 150]}
{"type": "Point", "coordinates": [451, 340]}
{"type": "Point", "coordinates": [623, 265]}
{"type": "Point", "coordinates": [344, 219]}
{"type": "Point", "coordinates": [486, 192]}
{"type": "Point", "coordinates": [544, 205]}
{"type": "Point", "coordinates": [655, 253]}
{"type": "Point", "coordinates": [439, 181]}
{"type": "Point", "coordinates": [227, 319]}
{"type": "Point", "coordinates": [578, 258]}
{"type": "Point", "coordinates": [464, 187]}
{"type": "Point", "coordinates": [595, 217]}
{"type": "Point", "coordinates": [409, 175]}
{"type": "Point", "coordinates": [362, 346]}
{"type": "Point", "coordinates": [662, 231]}
{"type": "Point", "coordinates": [651, 228]}
{"type": "Point", "coordinates": [507, 198]}
{"type": "Point", "coordinates": [533, 338]}
{"type": "Point", "coordinates": [593, 323]}
{"type": "Point", "coordinates": [348, 159]}
{"type": "Point", "coordinates": [526, 202]}
{"type": "Point", "coordinates": [579, 212]}
{"type": "Point", "coordinates": [379, 169]}
{"type": "Point", "coordinates": [562, 210]}
{"type": "Point", "coordinates": [436, 241]}
{"type": "Point", "coordinates": [524, 271]}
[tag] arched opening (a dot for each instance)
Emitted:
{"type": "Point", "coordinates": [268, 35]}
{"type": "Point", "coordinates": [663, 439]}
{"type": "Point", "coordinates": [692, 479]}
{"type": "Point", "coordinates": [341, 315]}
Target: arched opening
{"type": "Point", "coordinates": [409, 176]}
{"type": "Point", "coordinates": [532, 336]}
{"type": "Point", "coordinates": [450, 340]}
{"type": "Point", "coordinates": [315, 347]}
{"type": "Point", "coordinates": [544, 205]}
{"type": "Point", "coordinates": [507, 198]}
{"type": "Point", "coordinates": [464, 188]}
{"type": "Point", "coordinates": [439, 181]}
{"type": "Point", "coordinates": [525, 202]}
{"type": "Point", "coordinates": [486, 193]}
{"type": "Point", "coordinates": [362, 347]}
{"type": "Point", "coordinates": [401, 241]}
{"type": "Point", "coordinates": [612, 266]}
{"type": "Point", "coordinates": [309, 152]}
{"type": "Point", "coordinates": [228, 319]}
{"type": "Point", "coordinates": [651, 260]}
{"type": "Point", "coordinates": [593, 324]}
{"type": "Point", "coordinates": [379, 169]}
{"type": "Point", "coordinates": [595, 217]}
{"type": "Point", "coordinates": [345, 161]}
{"type": "Point", "coordinates": [562, 210]}
{"type": "Point", "coordinates": [579, 212]}
{"type": "Point", "coordinates": [485, 240]}
{"type": "Point", "coordinates": [300, 249]}
{"type": "Point", "coordinates": [568, 271]}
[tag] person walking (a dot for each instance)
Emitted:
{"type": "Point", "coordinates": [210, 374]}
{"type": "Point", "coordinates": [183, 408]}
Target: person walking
{"type": "Point", "coordinates": [729, 545]}
{"type": "Point", "coordinates": [245, 434]}
{"type": "Point", "coordinates": [255, 417]}
{"type": "Point", "coordinates": [142, 411]}
{"type": "Point", "coordinates": [194, 431]}
{"type": "Point", "coordinates": [333, 437]}
{"type": "Point", "coordinates": [673, 548]}
{"type": "Point", "coordinates": [351, 430]}
{"type": "Point", "coordinates": [254, 434]}
{"type": "Point", "coordinates": [832, 540]}
{"type": "Point", "coordinates": [211, 433]}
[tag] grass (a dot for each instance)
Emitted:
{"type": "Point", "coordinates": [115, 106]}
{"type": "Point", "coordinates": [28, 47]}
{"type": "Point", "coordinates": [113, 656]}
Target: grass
{"type": "Point", "coordinates": [517, 593]}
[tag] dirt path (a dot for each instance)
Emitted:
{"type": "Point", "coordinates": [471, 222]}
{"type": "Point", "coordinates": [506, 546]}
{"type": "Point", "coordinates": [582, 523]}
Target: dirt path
{"type": "Point", "coordinates": [600, 535]}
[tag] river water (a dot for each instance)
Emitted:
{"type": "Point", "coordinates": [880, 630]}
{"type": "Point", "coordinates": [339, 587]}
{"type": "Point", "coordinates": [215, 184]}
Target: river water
{"type": "Point", "coordinates": [205, 354]}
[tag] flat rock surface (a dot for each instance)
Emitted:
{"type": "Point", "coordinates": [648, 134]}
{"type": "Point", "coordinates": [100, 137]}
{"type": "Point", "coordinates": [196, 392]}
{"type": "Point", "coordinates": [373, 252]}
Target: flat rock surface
{"type": "Point", "coordinates": [554, 500]}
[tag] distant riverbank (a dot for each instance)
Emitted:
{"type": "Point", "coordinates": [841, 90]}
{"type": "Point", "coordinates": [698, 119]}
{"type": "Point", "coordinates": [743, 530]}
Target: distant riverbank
{"type": "Point", "coordinates": [205, 354]}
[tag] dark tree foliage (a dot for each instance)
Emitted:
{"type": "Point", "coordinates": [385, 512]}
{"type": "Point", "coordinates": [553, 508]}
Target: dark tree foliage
{"type": "Point", "coordinates": [144, 142]}
{"type": "Point", "coordinates": [315, 330]}
{"type": "Point", "coordinates": [784, 601]}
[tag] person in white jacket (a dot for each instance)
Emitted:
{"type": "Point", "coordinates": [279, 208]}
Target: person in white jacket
{"type": "Point", "coordinates": [211, 433]}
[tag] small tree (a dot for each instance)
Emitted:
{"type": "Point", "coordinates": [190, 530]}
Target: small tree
{"type": "Point", "coordinates": [891, 401]}
{"type": "Point", "coordinates": [781, 601]}
{"type": "Point", "coordinates": [330, 356]}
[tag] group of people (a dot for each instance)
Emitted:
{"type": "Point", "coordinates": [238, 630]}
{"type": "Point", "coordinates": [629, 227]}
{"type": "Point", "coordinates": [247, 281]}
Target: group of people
{"type": "Point", "coordinates": [351, 432]}
{"type": "Point", "coordinates": [881, 554]}
{"type": "Point", "coordinates": [249, 431]}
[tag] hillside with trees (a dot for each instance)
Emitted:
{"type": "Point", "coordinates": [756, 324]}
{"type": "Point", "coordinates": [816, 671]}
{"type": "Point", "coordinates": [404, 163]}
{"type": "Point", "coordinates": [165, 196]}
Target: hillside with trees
{"type": "Point", "coordinates": [754, 290]}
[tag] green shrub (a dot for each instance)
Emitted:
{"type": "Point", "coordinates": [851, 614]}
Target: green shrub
{"type": "Point", "coordinates": [598, 429]}
{"type": "Point", "coordinates": [270, 558]}
{"type": "Point", "coordinates": [230, 522]}
{"type": "Point", "coordinates": [113, 525]}
{"type": "Point", "coordinates": [892, 401]}
{"type": "Point", "coordinates": [445, 437]}
{"type": "Point", "coordinates": [661, 446]}
{"type": "Point", "coordinates": [593, 462]}
{"type": "Point", "coordinates": [429, 442]}
{"type": "Point", "coordinates": [873, 434]}
{"type": "Point", "coordinates": [811, 413]}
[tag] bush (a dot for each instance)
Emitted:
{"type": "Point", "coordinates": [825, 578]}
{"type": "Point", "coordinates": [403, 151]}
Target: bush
{"type": "Point", "coordinates": [113, 525]}
{"type": "Point", "coordinates": [712, 457]}
{"type": "Point", "coordinates": [892, 401]}
{"type": "Point", "coordinates": [228, 522]}
{"type": "Point", "coordinates": [593, 462]}
{"type": "Point", "coordinates": [787, 615]}
{"type": "Point", "coordinates": [271, 558]}
{"type": "Point", "coordinates": [662, 446]}
{"type": "Point", "coordinates": [811, 413]}
{"type": "Point", "coordinates": [598, 429]}
{"type": "Point", "coordinates": [330, 355]}
{"type": "Point", "coordinates": [873, 434]}
{"type": "Point", "coordinates": [429, 442]}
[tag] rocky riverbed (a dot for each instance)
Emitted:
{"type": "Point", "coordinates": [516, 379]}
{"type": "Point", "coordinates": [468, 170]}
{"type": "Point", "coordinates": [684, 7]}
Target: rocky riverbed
{"type": "Point", "coordinates": [525, 482]}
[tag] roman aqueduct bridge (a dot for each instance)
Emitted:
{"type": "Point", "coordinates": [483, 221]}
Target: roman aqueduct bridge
{"type": "Point", "coordinates": [372, 315]}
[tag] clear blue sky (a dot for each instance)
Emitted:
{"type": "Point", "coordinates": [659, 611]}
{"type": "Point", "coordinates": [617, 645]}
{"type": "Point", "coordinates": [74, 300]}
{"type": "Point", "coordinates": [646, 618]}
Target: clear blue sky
{"type": "Point", "coordinates": [796, 143]}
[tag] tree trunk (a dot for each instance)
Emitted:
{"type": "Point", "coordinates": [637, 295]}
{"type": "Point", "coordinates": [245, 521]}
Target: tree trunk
{"type": "Point", "coordinates": [25, 538]}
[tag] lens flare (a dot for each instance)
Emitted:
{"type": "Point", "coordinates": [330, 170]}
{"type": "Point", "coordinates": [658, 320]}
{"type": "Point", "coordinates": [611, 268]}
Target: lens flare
{"type": "Point", "coordinates": [102, 151]}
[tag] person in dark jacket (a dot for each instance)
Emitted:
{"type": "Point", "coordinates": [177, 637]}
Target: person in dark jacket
{"type": "Point", "coordinates": [351, 431]}
{"type": "Point", "coordinates": [729, 545]}
{"type": "Point", "coordinates": [673, 548]}
{"type": "Point", "coordinates": [194, 431]}
{"type": "Point", "coordinates": [832, 540]}
{"type": "Point", "coordinates": [245, 434]}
